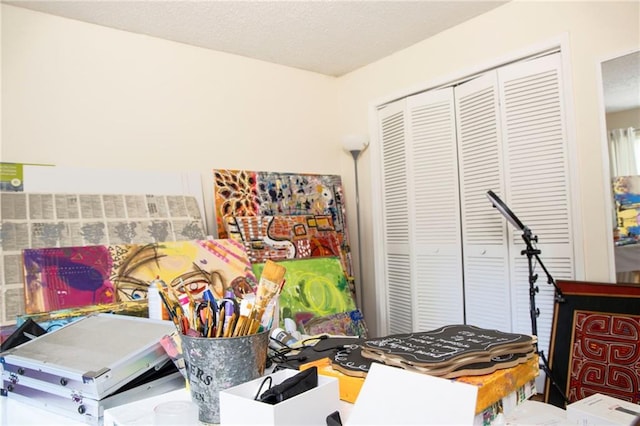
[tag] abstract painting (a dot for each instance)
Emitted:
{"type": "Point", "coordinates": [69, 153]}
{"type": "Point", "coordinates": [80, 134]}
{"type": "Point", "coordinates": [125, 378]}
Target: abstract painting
{"type": "Point", "coordinates": [626, 192]}
{"type": "Point", "coordinates": [251, 193]}
{"type": "Point", "coordinates": [42, 220]}
{"type": "Point", "coordinates": [59, 278]}
{"type": "Point", "coordinates": [285, 237]}
{"type": "Point", "coordinates": [340, 324]}
{"type": "Point", "coordinates": [595, 342]}
{"type": "Point", "coordinates": [53, 320]}
{"type": "Point", "coordinates": [314, 287]}
{"type": "Point", "coordinates": [66, 277]}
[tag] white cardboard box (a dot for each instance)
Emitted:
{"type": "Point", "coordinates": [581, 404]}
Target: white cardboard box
{"type": "Point", "coordinates": [238, 407]}
{"type": "Point", "coordinates": [395, 396]}
{"type": "Point", "coordinates": [601, 409]}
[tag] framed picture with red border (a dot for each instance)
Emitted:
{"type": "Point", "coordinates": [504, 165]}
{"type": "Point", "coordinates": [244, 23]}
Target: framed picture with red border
{"type": "Point", "coordinates": [595, 342]}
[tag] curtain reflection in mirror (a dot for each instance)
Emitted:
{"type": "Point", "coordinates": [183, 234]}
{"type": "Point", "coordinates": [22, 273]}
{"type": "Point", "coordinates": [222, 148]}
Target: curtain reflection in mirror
{"type": "Point", "coordinates": [624, 152]}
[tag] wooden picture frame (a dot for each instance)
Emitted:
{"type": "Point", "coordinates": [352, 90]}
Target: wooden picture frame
{"type": "Point", "coordinates": [595, 342]}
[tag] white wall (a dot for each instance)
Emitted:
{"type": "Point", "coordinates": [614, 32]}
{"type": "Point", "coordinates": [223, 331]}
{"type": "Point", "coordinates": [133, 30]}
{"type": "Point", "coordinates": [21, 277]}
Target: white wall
{"type": "Point", "coordinates": [624, 119]}
{"type": "Point", "coordinates": [596, 31]}
{"type": "Point", "coordinates": [77, 94]}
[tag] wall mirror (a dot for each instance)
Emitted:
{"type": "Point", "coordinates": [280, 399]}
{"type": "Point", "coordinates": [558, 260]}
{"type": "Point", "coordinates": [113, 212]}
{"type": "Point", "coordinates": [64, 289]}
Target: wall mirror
{"type": "Point", "coordinates": [621, 94]}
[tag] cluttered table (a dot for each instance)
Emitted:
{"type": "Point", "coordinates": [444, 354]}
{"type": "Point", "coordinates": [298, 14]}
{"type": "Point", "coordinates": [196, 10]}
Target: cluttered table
{"type": "Point", "coordinates": [89, 371]}
{"type": "Point", "coordinates": [451, 404]}
{"type": "Point", "coordinates": [141, 413]}
{"type": "Point", "coordinates": [477, 399]}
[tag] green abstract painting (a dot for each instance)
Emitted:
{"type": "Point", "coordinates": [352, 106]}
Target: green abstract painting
{"type": "Point", "coordinates": [314, 287]}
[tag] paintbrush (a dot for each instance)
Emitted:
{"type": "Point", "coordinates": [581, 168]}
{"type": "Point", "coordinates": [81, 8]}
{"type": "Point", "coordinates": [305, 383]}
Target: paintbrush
{"type": "Point", "coordinates": [268, 287]}
{"type": "Point", "coordinates": [246, 305]}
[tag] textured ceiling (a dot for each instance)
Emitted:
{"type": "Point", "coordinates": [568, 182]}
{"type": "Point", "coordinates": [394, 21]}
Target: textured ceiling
{"type": "Point", "coordinates": [621, 81]}
{"type": "Point", "coordinates": [328, 37]}
{"type": "Point", "coordinates": [331, 37]}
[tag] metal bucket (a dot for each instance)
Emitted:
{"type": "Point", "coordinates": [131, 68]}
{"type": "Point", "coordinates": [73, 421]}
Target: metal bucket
{"type": "Point", "coordinates": [215, 364]}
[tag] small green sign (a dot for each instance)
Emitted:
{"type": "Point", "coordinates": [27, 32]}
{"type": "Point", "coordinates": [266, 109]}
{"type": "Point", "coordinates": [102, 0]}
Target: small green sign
{"type": "Point", "coordinates": [11, 177]}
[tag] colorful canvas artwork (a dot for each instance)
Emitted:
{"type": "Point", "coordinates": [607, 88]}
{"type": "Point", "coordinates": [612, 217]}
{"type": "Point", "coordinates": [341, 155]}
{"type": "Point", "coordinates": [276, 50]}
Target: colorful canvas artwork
{"type": "Point", "coordinates": [251, 193]}
{"type": "Point", "coordinates": [285, 237]}
{"type": "Point", "coordinates": [53, 320]}
{"type": "Point", "coordinates": [341, 324]}
{"type": "Point", "coordinates": [626, 191]}
{"type": "Point", "coordinates": [314, 287]}
{"type": "Point", "coordinates": [60, 278]}
{"type": "Point", "coordinates": [42, 220]}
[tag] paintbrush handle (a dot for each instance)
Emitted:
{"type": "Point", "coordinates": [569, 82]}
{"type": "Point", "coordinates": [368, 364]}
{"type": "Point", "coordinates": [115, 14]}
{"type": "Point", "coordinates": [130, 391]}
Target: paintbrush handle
{"type": "Point", "coordinates": [239, 326]}
{"type": "Point", "coordinates": [230, 326]}
{"type": "Point", "coordinates": [255, 326]}
{"type": "Point", "coordinates": [220, 328]}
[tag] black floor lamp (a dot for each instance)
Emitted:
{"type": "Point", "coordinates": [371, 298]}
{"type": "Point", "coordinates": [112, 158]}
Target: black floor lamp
{"type": "Point", "coordinates": [355, 145]}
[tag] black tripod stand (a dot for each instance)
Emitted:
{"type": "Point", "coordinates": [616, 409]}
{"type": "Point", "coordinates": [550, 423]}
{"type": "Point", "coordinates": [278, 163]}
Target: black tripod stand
{"type": "Point", "coordinates": [532, 253]}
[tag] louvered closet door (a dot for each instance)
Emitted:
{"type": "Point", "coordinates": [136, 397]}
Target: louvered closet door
{"type": "Point", "coordinates": [435, 230]}
{"type": "Point", "coordinates": [537, 182]}
{"type": "Point", "coordinates": [484, 235]}
{"type": "Point", "coordinates": [396, 219]}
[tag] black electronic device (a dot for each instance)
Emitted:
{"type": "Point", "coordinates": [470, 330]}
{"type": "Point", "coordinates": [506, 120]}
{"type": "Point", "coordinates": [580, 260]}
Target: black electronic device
{"type": "Point", "coordinates": [312, 349]}
{"type": "Point", "coordinates": [27, 331]}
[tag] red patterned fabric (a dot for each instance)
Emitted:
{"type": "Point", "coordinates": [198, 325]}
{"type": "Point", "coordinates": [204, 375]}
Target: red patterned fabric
{"type": "Point", "coordinates": [606, 356]}
{"type": "Point", "coordinates": [594, 342]}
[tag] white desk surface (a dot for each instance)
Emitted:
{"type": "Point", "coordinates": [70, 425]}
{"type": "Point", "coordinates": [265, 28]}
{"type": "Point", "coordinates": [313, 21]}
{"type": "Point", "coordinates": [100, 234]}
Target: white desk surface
{"type": "Point", "coordinates": [138, 413]}
{"type": "Point", "coordinates": [16, 413]}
